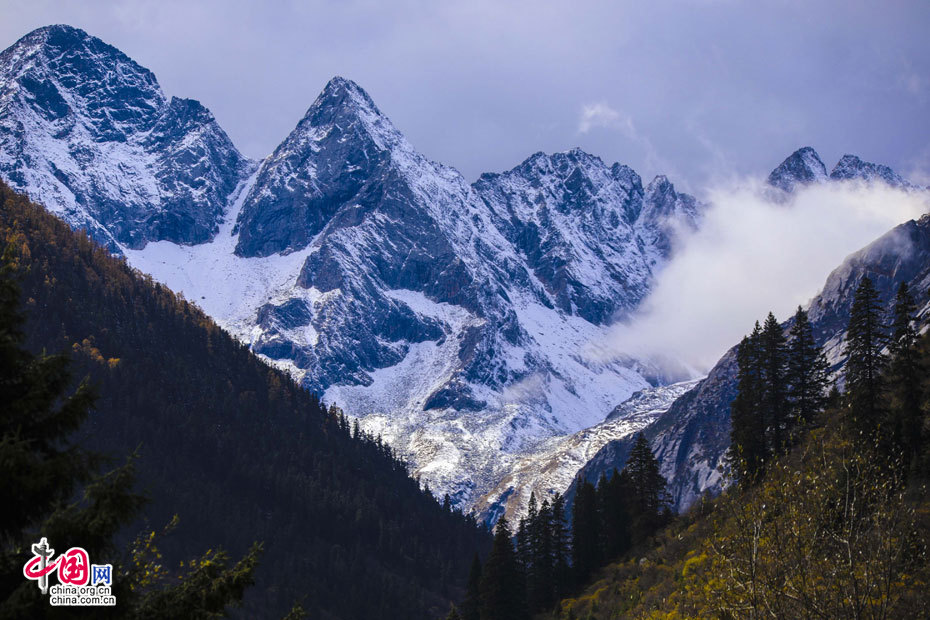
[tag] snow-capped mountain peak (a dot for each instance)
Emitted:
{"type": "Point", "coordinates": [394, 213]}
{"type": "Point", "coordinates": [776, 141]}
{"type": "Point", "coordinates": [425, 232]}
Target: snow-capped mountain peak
{"type": "Point", "coordinates": [802, 167]}
{"type": "Point", "coordinates": [342, 142]}
{"type": "Point", "coordinates": [494, 288]}
{"type": "Point", "coordinates": [343, 111]}
{"type": "Point", "coordinates": [851, 167]}
{"type": "Point", "coordinates": [89, 133]}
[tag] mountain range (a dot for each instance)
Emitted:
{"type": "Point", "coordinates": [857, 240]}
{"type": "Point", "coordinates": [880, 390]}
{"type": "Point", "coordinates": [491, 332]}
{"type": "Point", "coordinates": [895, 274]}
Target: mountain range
{"type": "Point", "coordinates": [449, 317]}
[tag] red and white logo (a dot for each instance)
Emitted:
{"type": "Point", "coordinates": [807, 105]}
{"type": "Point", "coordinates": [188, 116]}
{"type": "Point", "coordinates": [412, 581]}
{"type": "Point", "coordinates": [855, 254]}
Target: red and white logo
{"type": "Point", "coordinates": [80, 582]}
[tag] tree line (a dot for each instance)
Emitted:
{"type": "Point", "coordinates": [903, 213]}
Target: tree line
{"type": "Point", "coordinates": [784, 382]}
{"type": "Point", "coordinates": [546, 560]}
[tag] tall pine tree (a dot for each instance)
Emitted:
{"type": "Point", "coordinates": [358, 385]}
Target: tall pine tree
{"type": "Point", "coordinates": [540, 578]}
{"type": "Point", "coordinates": [905, 375]}
{"type": "Point", "coordinates": [615, 520]}
{"type": "Point", "coordinates": [865, 340]}
{"type": "Point", "coordinates": [808, 373]}
{"type": "Point", "coordinates": [471, 606]}
{"type": "Point", "coordinates": [649, 504]}
{"type": "Point", "coordinates": [747, 452]}
{"type": "Point", "coordinates": [561, 549]}
{"type": "Point", "coordinates": [503, 594]}
{"type": "Point", "coordinates": [772, 352]}
{"type": "Point", "coordinates": [586, 544]}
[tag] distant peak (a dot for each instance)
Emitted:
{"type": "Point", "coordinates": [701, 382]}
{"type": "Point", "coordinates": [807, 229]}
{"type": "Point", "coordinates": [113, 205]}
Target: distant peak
{"type": "Point", "coordinates": [84, 55]}
{"type": "Point", "coordinates": [346, 119]}
{"type": "Point", "coordinates": [802, 167]}
{"type": "Point", "coordinates": [626, 175]}
{"type": "Point", "coordinates": [60, 36]}
{"type": "Point", "coordinates": [341, 91]}
{"type": "Point", "coordinates": [344, 103]}
{"type": "Point", "coordinates": [661, 181]}
{"type": "Point", "coordinates": [578, 154]}
{"type": "Point", "coordinates": [338, 84]}
{"type": "Point", "coordinates": [61, 29]}
{"type": "Point", "coordinates": [848, 160]}
{"type": "Point", "coordinates": [661, 192]}
{"type": "Point", "coordinates": [807, 151]}
{"type": "Point", "coordinates": [544, 163]}
{"type": "Point", "coordinates": [851, 167]}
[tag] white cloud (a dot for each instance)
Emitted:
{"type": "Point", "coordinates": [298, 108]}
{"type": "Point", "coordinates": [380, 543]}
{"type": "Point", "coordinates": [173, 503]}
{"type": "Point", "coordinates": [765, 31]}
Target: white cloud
{"type": "Point", "coordinates": [530, 388]}
{"type": "Point", "coordinates": [752, 256]}
{"type": "Point", "coordinates": [600, 114]}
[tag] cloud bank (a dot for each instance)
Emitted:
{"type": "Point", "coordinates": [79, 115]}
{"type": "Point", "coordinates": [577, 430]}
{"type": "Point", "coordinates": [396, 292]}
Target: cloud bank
{"type": "Point", "coordinates": [753, 255]}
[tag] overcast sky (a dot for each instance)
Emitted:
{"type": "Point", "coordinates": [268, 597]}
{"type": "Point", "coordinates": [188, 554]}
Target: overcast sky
{"type": "Point", "coordinates": [700, 90]}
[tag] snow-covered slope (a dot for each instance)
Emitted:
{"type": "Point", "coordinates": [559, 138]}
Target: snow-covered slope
{"type": "Point", "coordinates": [89, 133]}
{"type": "Point", "coordinates": [588, 232]}
{"type": "Point", "coordinates": [551, 466]}
{"type": "Point", "coordinates": [421, 310]}
{"type": "Point", "coordinates": [450, 318]}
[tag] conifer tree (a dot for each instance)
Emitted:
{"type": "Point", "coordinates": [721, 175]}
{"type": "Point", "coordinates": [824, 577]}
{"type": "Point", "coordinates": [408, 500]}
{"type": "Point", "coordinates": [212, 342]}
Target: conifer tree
{"type": "Point", "coordinates": [561, 551]}
{"type": "Point", "coordinates": [774, 388]}
{"type": "Point", "coordinates": [586, 546]}
{"type": "Point", "coordinates": [527, 539]}
{"type": "Point", "coordinates": [905, 376]}
{"type": "Point", "coordinates": [807, 373]}
{"type": "Point", "coordinates": [865, 340]}
{"type": "Point", "coordinates": [647, 489]}
{"type": "Point", "coordinates": [502, 584]}
{"type": "Point", "coordinates": [524, 550]}
{"type": "Point", "coordinates": [615, 521]}
{"type": "Point", "coordinates": [471, 606]}
{"type": "Point", "coordinates": [747, 452]}
{"type": "Point", "coordinates": [542, 559]}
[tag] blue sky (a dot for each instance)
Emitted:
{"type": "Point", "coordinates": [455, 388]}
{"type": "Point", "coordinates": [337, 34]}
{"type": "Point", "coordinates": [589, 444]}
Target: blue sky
{"type": "Point", "coordinates": [700, 90]}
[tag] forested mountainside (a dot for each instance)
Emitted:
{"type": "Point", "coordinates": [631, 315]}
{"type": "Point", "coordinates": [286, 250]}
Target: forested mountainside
{"type": "Point", "coordinates": [837, 526]}
{"type": "Point", "coordinates": [233, 447]}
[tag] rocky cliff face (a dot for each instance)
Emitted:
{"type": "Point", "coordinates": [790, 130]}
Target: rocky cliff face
{"type": "Point", "coordinates": [88, 133]}
{"type": "Point", "coordinates": [451, 318]}
{"type": "Point", "coordinates": [589, 233]}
